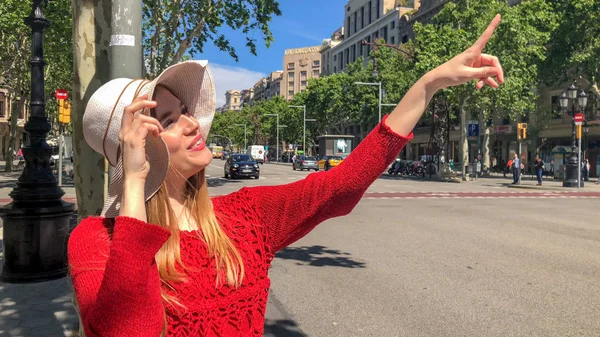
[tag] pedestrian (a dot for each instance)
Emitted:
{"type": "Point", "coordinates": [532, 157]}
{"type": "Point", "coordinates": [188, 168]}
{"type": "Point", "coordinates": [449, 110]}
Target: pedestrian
{"type": "Point", "coordinates": [164, 258]}
{"type": "Point", "coordinates": [508, 167]}
{"type": "Point", "coordinates": [516, 169]}
{"type": "Point", "coordinates": [586, 170]}
{"type": "Point", "coordinates": [539, 168]}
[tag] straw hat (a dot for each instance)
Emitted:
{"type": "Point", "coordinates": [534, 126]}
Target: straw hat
{"type": "Point", "coordinates": [190, 81]}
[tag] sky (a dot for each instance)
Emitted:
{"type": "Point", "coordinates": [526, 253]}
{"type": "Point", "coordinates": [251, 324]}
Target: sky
{"type": "Point", "coordinates": [303, 23]}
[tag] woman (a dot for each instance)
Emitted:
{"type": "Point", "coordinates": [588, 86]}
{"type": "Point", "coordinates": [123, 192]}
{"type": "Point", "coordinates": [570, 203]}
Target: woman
{"type": "Point", "coordinates": [167, 260]}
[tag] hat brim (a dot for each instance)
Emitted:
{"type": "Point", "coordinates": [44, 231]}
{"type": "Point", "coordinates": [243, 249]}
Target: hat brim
{"type": "Point", "coordinates": [192, 83]}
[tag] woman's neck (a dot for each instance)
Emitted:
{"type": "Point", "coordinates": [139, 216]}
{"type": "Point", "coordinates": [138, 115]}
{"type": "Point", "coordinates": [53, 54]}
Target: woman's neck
{"type": "Point", "coordinates": [177, 200]}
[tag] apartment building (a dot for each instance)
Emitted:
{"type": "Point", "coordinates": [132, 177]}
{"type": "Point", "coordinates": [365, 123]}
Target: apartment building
{"type": "Point", "coordinates": [274, 84]}
{"type": "Point", "coordinates": [364, 20]}
{"type": "Point", "coordinates": [300, 65]}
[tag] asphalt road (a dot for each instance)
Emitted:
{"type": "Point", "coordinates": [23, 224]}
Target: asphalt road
{"type": "Point", "coordinates": [440, 263]}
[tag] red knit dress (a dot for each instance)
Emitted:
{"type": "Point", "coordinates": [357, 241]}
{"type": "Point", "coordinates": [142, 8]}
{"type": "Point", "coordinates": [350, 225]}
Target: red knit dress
{"type": "Point", "coordinates": [116, 280]}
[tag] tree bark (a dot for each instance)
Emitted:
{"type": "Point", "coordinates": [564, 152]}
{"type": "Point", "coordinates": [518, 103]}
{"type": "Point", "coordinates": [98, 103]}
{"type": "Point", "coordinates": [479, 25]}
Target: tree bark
{"type": "Point", "coordinates": [464, 153]}
{"type": "Point", "coordinates": [91, 33]}
{"type": "Point", "coordinates": [486, 148]}
{"type": "Point", "coordinates": [16, 106]}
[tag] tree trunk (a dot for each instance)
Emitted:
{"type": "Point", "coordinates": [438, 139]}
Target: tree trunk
{"type": "Point", "coordinates": [486, 148]}
{"type": "Point", "coordinates": [91, 33]}
{"type": "Point", "coordinates": [464, 153]}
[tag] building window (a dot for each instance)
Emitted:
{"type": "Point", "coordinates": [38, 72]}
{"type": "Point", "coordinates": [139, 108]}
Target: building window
{"type": "Point", "coordinates": [303, 75]}
{"type": "Point", "coordinates": [393, 24]}
{"type": "Point", "coordinates": [385, 36]}
{"type": "Point", "coordinates": [347, 56]}
{"type": "Point", "coordinates": [235, 100]}
{"type": "Point", "coordinates": [291, 92]}
{"type": "Point", "coordinates": [290, 76]}
{"type": "Point", "coordinates": [303, 84]}
{"type": "Point", "coordinates": [353, 52]}
{"type": "Point", "coordinates": [362, 17]}
{"type": "Point", "coordinates": [316, 63]}
{"type": "Point", "coordinates": [378, 8]}
{"type": "Point", "coordinates": [355, 22]}
{"type": "Point", "coordinates": [368, 46]}
{"type": "Point", "coordinates": [348, 26]}
{"type": "Point", "coordinates": [404, 38]}
{"type": "Point", "coordinates": [334, 70]}
{"type": "Point", "coordinates": [393, 40]}
{"type": "Point", "coordinates": [315, 73]}
{"type": "Point", "coordinates": [335, 57]}
{"type": "Point", "coordinates": [369, 10]}
{"type": "Point", "coordinates": [291, 66]}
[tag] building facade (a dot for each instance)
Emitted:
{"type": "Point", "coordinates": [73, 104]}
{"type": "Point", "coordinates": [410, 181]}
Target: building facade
{"type": "Point", "coordinates": [299, 65]}
{"type": "Point", "coordinates": [6, 101]}
{"type": "Point", "coordinates": [274, 84]}
{"type": "Point", "coordinates": [368, 21]}
{"type": "Point", "coordinates": [232, 101]}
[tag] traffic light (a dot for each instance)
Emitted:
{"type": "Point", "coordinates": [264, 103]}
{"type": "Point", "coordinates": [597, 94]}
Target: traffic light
{"type": "Point", "coordinates": [67, 112]}
{"type": "Point", "coordinates": [61, 104]}
{"type": "Point", "coordinates": [521, 131]}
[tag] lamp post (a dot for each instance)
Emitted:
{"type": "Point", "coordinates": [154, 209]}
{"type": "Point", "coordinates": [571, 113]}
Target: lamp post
{"type": "Point", "coordinates": [245, 138]}
{"type": "Point", "coordinates": [304, 125]}
{"type": "Point", "coordinates": [277, 145]}
{"type": "Point", "coordinates": [573, 171]}
{"type": "Point", "coordinates": [378, 84]}
{"type": "Point", "coordinates": [36, 222]}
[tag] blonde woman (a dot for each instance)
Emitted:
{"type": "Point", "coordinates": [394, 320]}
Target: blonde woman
{"type": "Point", "coordinates": [164, 258]}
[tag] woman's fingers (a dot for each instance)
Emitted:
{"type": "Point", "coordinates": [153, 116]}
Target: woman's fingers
{"type": "Point", "coordinates": [490, 60]}
{"type": "Point", "coordinates": [138, 104]}
{"type": "Point", "coordinates": [489, 81]}
{"type": "Point", "coordinates": [487, 34]}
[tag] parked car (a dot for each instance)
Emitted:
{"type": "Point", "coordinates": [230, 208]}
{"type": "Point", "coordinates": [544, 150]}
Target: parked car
{"type": "Point", "coordinates": [328, 162]}
{"type": "Point", "coordinates": [305, 163]}
{"type": "Point", "coordinates": [241, 165]}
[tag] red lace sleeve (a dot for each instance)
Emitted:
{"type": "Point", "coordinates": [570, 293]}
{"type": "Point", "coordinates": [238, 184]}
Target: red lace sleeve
{"type": "Point", "coordinates": [116, 281]}
{"type": "Point", "coordinates": [288, 212]}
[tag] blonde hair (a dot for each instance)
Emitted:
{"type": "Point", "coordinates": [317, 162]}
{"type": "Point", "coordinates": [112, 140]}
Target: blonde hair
{"type": "Point", "coordinates": [228, 260]}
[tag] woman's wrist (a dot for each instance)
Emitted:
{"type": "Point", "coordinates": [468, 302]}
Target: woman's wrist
{"type": "Point", "coordinates": [133, 202]}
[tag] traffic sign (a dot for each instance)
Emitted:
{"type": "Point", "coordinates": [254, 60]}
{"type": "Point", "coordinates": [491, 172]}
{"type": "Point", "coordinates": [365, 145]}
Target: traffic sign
{"type": "Point", "coordinates": [473, 129]}
{"type": "Point", "coordinates": [578, 118]}
{"type": "Point", "coordinates": [61, 94]}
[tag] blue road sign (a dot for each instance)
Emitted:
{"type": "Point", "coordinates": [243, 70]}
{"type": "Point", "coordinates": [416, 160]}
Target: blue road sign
{"type": "Point", "coordinates": [473, 129]}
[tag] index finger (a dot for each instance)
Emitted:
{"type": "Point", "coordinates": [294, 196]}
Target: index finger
{"type": "Point", "coordinates": [487, 34]}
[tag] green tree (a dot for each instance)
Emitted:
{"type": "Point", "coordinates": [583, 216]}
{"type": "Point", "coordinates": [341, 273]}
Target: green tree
{"type": "Point", "coordinates": [174, 28]}
{"type": "Point", "coordinates": [575, 50]}
{"type": "Point", "coordinates": [519, 42]}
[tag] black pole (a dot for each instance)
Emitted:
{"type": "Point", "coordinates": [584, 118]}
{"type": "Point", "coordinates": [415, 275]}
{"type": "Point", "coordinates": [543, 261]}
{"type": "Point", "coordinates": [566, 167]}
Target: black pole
{"type": "Point", "coordinates": [571, 173]}
{"type": "Point", "coordinates": [36, 223]}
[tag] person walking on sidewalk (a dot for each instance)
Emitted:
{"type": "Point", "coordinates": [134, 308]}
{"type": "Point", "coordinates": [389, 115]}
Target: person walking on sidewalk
{"type": "Point", "coordinates": [539, 169]}
{"type": "Point", "coordinates": [516, 169]}
{"type": "Point", "coordinates": [165, 258]}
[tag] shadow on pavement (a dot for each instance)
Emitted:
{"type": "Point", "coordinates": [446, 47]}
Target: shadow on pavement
{"type": "Point", "coordinates": [37, 309]}
{"type": "Point", "coordinates": [216, 182]}
{"type": "Point", "coordinates": [319, 256]}
{"type": "Point", "coordinates": [282, 328]}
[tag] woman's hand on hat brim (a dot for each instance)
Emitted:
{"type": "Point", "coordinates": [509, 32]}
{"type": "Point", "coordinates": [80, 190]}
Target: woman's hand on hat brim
{"type": "Point", "coordinates": [135, 128]}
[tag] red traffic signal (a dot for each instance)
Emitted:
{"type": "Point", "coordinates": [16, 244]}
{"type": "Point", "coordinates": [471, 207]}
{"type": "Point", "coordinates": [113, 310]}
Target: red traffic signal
{"type": "Point", "coordinates": [61, 94]}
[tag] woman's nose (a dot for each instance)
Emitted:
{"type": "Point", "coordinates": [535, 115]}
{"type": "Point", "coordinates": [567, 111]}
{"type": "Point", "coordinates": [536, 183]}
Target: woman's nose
{"type": "Point", "coordinates": [191, 123]}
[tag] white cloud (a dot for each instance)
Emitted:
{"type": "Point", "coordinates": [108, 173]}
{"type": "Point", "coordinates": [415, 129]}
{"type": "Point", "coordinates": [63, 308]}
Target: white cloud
{"type": "Point", "coordinates": [227, 78]}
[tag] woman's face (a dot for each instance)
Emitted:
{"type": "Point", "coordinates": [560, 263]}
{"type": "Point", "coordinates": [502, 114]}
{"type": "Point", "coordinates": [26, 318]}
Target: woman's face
{"type": "Point", "coordinates": [181, 133]}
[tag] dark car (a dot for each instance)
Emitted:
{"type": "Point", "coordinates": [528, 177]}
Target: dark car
{"type": "Point", "coordinates": [241, 165]}
{"type": "Point", "coordinates": [306, 163]}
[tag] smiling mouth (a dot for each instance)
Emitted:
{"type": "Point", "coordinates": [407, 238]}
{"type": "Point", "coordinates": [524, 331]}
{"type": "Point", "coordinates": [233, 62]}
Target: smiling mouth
{"type": "Point", "coordinates": [198, 144]}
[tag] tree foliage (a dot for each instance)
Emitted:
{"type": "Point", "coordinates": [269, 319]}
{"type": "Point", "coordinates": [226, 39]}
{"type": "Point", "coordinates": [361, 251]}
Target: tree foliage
{"type": "Point", "coordinates": [173, 29]}
{"type": "Point", "coordinates": [575, 49]}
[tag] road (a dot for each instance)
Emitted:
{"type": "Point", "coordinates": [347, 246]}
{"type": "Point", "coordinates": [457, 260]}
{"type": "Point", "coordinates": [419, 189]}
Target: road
{"type": "Point", "coordinates": [415, 258]}
{"type": "Point", "coordinates": [432, 259]}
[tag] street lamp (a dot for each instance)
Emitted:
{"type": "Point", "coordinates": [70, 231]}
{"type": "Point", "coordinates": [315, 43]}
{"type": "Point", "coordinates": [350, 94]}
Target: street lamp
{"type": "Point", "coordinates": [577, 102]}
{"type": "Point", "coordinates": [277, 145]}
{"type": "Point", "coordinates": [304, 127]}
{"type": "Point", "coordinates": [245, 138]}
{"type": "Point", "coordinates": [378, 84]}
{"type": "Point", "coordinates": [36, 223]}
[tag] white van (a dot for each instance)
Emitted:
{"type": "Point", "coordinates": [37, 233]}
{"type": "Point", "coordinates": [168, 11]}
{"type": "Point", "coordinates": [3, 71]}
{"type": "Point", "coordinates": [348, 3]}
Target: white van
{"type": "Point", "coordinates": [257, 152]}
